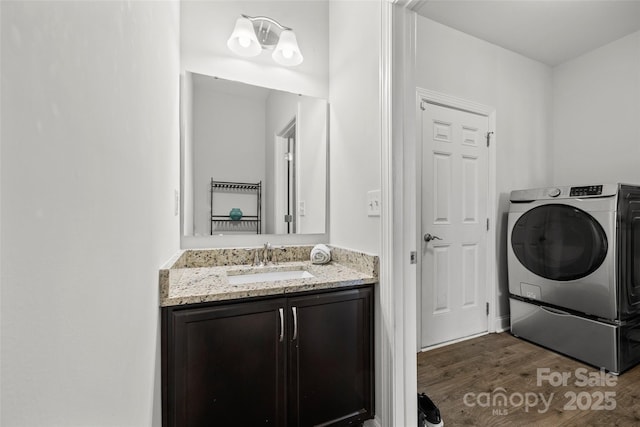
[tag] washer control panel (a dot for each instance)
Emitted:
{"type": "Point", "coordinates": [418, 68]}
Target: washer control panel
{"type": "Point", "coordinates": [554, 192]}
{"type": "Point", "coordinates": [589, 190]}
{"type": "Point", "coordinates": [558, 193]}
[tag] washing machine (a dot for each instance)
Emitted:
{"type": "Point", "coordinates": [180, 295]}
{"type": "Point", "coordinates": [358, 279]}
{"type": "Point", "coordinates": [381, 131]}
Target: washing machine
{"type": "Point", "coordinates": [574, 271]}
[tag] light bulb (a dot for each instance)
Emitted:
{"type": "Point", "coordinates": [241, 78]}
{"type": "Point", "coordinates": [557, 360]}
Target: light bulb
{"type": "Point", "coordinates": [244, 41]}
{"type": "Point", "coordinates": [287, 51]}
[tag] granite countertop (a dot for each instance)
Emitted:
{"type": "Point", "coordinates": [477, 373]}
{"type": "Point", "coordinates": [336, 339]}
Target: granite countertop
{"type": "Point", "coordinates": [198, 276]}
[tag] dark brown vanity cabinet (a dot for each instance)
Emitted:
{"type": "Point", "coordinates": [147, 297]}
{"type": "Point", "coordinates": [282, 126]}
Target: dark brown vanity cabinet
{"type": "Point", "coordinates": [304, 360]}
{"type": "Point", "coordinates": [331, 358]}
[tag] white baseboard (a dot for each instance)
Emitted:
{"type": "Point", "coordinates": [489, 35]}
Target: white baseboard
{"type": "Point", "coordinates": [503, 324]}
{"type": "Point", "coordinates": [375, 422]}
{"type": "Point", "coordinates": [444, 344]}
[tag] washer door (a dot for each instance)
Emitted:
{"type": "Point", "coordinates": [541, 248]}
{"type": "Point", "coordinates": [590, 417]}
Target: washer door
{"type": "Point", "coordinates": [559, 242]}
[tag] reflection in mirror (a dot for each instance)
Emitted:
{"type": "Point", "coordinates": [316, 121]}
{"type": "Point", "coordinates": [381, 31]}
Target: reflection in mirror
{"type": "Point", "coordinates": [254, 159]}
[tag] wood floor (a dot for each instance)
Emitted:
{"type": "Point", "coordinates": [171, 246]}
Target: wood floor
{"type": "Point", "coordinates": [493, 380]}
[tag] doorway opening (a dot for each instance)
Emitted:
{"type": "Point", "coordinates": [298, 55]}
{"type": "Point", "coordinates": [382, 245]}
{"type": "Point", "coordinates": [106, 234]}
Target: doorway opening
{"type": "Point", "coordinates": [286, 185]}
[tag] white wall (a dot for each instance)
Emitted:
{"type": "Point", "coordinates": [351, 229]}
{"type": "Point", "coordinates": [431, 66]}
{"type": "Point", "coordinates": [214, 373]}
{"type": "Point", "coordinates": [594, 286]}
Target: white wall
{"type": "Point", "coordinates": [89, 151]}
{"type": "Point", "coordinates": [596, 104]}
{"type": "Point", "coordinates": [228, 130]}
{"type": "Point", "coordinates": [354, 123]}
{"type": "Point", "coordinates": [519, 88]}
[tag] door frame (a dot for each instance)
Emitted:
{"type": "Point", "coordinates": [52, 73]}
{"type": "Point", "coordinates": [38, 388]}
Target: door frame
{"type": "Point", "coordinates": [450, 101]}
{"type": "Point", "coordinates": [279, 194]}
{"type": "Point", "coordinates": [397, 386]}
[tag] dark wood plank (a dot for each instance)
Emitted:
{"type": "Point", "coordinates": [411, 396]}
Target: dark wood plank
{"type": "Point", "coordinates": [465, 380]}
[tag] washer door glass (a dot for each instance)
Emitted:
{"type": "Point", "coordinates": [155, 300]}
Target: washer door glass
{"type": "Point", "coordinates": [559, 242]}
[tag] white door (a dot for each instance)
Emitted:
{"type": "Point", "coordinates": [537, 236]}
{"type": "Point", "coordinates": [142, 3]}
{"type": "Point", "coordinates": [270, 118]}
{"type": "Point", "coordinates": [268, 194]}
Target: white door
{"type": "Point", "coordinates": [454, 224]}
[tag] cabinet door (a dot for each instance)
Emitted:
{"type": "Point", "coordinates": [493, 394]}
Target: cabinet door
{"type": "Point", "coordinates": [226, 365]}
{"type": "Point", "coordinates": [331, 358]}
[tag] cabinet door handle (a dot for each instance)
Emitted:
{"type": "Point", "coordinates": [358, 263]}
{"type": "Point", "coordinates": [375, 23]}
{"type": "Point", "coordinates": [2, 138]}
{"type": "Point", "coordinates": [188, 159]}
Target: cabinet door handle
{"type": "Point", "coordinates": [281, 311]}
{"type": "Point", "coordinates": [294, 310]}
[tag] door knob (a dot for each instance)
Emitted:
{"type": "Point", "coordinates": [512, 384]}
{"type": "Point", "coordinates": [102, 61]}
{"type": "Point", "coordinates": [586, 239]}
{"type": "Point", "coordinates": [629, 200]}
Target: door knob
{"type": "Point", "coordinates": [429, 237]}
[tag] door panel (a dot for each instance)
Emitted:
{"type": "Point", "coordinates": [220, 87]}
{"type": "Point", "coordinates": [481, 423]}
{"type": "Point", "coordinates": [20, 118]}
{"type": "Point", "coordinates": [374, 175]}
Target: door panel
{"type": "Point", "coordinates": [454, 209]}
{"type": "Point", "coordinates": [470, 280]}
{"type": "Point", "coordinates": [330, 361]}
{"type": "Point", "coordinates": [470, 189]}
{"type": "Point", "coordinates": [442, 171]}
{"type": "Point", "coordinates": [220, 357]}
{"type": "Point", "coordinates": [441, 275]}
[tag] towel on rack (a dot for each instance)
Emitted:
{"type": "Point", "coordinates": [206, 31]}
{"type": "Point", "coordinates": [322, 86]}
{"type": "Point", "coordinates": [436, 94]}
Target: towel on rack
{"type": "Point", "coordinates": [320, 254]}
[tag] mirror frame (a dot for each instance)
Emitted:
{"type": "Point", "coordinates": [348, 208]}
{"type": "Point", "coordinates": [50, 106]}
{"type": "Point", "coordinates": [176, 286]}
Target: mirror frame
{"type": "Point", "coordinates": [237, 240]}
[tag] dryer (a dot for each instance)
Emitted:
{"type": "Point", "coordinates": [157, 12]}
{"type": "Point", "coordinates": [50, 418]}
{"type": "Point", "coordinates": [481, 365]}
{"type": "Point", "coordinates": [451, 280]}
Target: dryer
{"type": "Point", "coordinates": [574, 282]}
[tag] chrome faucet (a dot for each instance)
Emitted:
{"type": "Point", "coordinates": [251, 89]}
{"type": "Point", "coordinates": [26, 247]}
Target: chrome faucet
{"type": "Point", "coordinates": [256, 259]}
{"type": "Point", "coordinates": [266, 254]}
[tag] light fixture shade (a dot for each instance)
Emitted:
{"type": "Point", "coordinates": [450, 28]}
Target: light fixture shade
{"type": "Point", "coordinates": [287, 51]}
{"type": "Point", "coordinates": [243, 40]}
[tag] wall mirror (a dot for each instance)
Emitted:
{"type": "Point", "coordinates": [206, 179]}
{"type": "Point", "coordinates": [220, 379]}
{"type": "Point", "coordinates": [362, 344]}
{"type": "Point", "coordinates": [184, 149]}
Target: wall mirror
{"type": "Point", "coordinates": [254, 160]}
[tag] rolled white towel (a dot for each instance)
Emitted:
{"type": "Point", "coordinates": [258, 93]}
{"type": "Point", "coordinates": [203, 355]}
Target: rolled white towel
{"type": "Point", "coordinates": [320, 254]}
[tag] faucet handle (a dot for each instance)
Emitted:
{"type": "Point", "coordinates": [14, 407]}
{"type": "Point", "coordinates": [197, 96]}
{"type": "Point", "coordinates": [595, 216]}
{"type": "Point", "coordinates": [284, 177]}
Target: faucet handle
{"type": "Point", "coordinates": [265, 253]}
{"type": "Point", "coordinates": [256, 258]}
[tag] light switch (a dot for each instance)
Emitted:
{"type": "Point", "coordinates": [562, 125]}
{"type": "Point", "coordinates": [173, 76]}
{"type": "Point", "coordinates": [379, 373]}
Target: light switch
{"type": "Point", "coordinates": [176, 203]}
{"type": "Point", "coordinates": [373, 203]}
{"type": "Point", "coordinates": [302, 209]}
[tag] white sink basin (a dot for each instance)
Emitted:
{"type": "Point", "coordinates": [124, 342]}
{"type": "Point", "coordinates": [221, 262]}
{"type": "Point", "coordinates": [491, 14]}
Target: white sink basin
{"type": "Point", "coordinates": [271, 276]}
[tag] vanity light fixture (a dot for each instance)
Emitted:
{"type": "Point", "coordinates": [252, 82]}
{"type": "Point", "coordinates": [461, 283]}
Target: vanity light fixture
{"type": "Point", "coordinates": [253, 34]}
